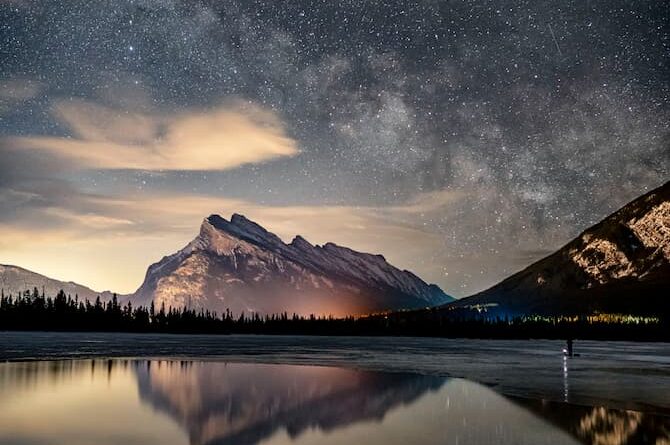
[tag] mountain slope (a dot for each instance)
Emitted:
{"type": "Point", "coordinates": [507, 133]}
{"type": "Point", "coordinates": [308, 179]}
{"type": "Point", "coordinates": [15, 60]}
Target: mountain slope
{"type": "Point", "coordinates": [621, 264]}
{"type": "Point", "coordinates": [240, 266]}
{"type": "Point", "coordinates": [15, 280]}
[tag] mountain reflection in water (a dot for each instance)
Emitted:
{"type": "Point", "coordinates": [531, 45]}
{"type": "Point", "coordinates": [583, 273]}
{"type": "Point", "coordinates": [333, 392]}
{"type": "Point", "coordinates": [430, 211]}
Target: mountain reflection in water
{"type": "Point", "coordinates": [241, 403]}
{"type": "Point", "coordinates": [211, 403]}
{"type": "Point", "coordinates": [601, 426]}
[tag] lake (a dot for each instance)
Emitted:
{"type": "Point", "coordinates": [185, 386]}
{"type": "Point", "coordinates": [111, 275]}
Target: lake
{"type": "Point", "coordinates": [64, 388]}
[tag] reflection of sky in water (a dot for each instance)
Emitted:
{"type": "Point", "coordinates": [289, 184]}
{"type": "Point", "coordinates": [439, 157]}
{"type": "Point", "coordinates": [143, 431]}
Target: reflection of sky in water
{"type": "Point", "coordinates": [141, 402]}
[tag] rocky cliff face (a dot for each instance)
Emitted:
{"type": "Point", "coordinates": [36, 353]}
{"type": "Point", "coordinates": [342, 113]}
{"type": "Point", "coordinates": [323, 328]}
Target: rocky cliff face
{"type": "Point", "coordinates": [621, 264]}
{"type": "Point", "coordinates": [240, 266]}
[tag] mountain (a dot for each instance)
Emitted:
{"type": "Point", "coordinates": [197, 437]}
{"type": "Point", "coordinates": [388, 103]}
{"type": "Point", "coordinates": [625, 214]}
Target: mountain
{"type": "Point", "coordinates": [240, 266]}
{"type": "Point", "coordinates": [620, 265]}
{"type": "Point", "coordinates": [15, 280]}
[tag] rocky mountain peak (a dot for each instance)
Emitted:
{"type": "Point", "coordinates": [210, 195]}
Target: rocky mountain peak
{"type": "Point", "coordinates": [301, 243]}
{"type": "Point", "coordinates": [246, 224]}
{"type": "Point", "coordinates": [243, 228]}
{"type": "Point", "coordinates": [241, 266]}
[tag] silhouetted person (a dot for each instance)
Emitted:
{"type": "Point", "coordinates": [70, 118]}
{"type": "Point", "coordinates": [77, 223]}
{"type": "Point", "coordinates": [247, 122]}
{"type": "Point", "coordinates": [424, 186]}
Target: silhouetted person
{"type": "Point", "coordinates": [570, 347]}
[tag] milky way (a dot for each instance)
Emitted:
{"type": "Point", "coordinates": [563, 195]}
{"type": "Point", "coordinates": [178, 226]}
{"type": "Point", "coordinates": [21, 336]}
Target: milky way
{"type": "Point", "coordinates": [499, 130]}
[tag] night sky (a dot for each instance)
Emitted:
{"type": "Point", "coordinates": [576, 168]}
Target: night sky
{"type": "Point", "coordinates": [463, 140]}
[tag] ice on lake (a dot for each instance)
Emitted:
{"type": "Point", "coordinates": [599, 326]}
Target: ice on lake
{"type": "Point", "coordinates": [622, 375]}
{"type": "Point", "coordinates": [138, 401]}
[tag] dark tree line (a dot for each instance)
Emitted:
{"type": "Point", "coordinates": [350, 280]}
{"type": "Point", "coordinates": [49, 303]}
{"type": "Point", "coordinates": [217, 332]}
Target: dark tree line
{"type": "Point", "coordinates": [35, 311]}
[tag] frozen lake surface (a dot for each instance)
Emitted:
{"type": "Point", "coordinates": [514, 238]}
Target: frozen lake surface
{"type": "Point", "coordinates": [217, 402]}
{"type": "Point", "coordinates": [621, 375]}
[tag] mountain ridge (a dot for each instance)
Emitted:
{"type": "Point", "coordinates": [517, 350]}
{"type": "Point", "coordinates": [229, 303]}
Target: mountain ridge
{"type": "Point", "coordinates": [16, 280]}
{"type": "Point", "coordinates": [230, 260]}
{"type": "Point", "coordinates": [624, 257]}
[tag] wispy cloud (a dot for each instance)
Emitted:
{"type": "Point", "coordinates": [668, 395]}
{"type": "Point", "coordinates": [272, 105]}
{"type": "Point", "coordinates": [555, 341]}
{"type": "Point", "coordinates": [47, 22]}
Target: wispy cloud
{"type": "Point", "coordinates": [226, 137]}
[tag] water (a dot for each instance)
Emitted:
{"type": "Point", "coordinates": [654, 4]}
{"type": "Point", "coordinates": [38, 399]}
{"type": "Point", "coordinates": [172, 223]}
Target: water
{"type": "Point", "coordinates": [622, 375]}
{"type": "Point", "coordinates": [138, 401]}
